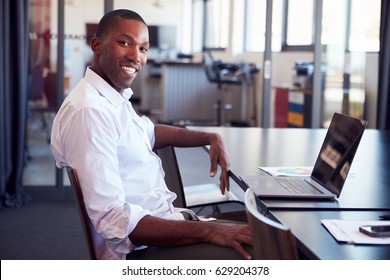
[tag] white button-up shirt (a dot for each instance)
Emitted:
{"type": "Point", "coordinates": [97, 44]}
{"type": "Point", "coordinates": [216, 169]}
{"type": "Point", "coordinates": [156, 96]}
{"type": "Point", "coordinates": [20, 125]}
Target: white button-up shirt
{"type": "Point", "coordinates": [97, 132]}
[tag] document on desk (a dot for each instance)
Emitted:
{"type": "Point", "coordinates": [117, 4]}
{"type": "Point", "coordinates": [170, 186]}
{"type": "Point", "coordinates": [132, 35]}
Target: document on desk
{"type": "Point", "coordinates": [348, 231]}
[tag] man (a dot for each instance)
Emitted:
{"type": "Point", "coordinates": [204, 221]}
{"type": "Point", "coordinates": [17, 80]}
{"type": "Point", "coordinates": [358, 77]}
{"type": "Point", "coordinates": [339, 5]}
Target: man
{"type": "Point", "coordinates": [97, 132]}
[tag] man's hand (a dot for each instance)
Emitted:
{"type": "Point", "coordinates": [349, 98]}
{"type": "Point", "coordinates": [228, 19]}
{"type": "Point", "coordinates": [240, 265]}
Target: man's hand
{"type": "Point", "coordinates": [218, 156]}
{"type": "Point", "coordinates": [231, 235]}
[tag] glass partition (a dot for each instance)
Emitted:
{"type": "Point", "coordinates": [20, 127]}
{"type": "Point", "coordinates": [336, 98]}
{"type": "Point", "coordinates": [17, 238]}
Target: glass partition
{"type": "Point", "coordinates": [42, 93]}
{"type": "Point", "coordinates": [350, 32]}
{"type": "Point", "coordinates": [80, 19]}
{"type": "Point", "coordinates": [349, 45]}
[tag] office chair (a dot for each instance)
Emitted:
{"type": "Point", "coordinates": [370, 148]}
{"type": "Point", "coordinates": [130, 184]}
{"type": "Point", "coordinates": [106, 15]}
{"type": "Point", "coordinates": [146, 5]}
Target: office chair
{"type": "Point", "coordinates": [221, 73]}
{"type": "Point", "coordinates": [232, 74]}
{"type": "Point", "coordinates": [94, 240]}
{"type": "Point", "coordinates": [271, 240]}
{"type": "Point", "coordinates": [197, 196]}
{"type": "Point", "coordinates": [173, 180]}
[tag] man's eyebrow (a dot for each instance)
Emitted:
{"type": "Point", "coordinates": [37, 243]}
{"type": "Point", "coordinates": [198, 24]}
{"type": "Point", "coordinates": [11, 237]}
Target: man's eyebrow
{"type": "Point", "coordinates": [129, 37]}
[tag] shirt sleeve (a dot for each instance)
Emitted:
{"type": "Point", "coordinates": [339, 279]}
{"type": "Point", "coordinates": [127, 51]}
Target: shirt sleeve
{"type": "Point", "coordinates": [89, 143]}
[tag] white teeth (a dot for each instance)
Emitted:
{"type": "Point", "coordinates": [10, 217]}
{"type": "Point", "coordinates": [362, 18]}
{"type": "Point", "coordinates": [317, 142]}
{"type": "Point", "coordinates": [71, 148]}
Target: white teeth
{"type": "Point", "coordinates": [130, 70]}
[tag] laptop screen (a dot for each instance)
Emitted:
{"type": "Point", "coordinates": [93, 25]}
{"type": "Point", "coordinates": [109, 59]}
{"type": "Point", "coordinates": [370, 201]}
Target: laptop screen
{"type": "Point", "coordinates": [337, 152]}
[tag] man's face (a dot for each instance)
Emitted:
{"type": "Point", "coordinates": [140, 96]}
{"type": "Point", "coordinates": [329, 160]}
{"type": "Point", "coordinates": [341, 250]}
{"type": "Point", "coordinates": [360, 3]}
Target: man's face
{"type": "Point", "coordinates": [122, 53]}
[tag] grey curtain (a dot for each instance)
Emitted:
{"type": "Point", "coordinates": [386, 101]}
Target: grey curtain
{"type": "Point", "coordinates": [13, 100]}
{"type": "Point", "coordinates": [383, 113]}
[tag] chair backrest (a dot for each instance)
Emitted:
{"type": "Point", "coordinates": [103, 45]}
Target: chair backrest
{"type": "Point", "coordinates": [271, 240]}
{"type": "Point", "coordinates": [172, 174]}
{"type": "Point", "coordinates": [211, 72]}
{"type": "Point", "coordinates": [94, 240]}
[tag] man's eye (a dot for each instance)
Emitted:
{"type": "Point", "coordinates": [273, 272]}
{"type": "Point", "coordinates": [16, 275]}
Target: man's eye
{"type": "Point", "coordinates": [125, 44]}
{"type": "Point", "coordinates": [144, 49]}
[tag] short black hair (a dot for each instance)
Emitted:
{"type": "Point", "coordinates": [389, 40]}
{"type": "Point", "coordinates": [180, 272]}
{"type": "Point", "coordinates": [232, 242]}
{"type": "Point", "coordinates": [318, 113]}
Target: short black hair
{"type": "Point", "coordinates": [108, 19]}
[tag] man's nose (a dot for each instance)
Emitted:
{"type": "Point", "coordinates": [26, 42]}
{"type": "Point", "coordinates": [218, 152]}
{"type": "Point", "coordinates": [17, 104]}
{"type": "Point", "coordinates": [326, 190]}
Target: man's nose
{"type": "Point", "coordinates": [134, 54]}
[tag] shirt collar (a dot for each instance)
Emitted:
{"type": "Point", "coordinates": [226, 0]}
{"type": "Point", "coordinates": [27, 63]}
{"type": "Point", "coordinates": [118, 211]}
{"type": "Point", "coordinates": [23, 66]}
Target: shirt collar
{"type": "Point", "coordinates": [106, 89]}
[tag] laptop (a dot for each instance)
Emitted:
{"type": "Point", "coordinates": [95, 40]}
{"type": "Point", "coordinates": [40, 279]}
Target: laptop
{"type": "Point", "coordinates": [330, 169]}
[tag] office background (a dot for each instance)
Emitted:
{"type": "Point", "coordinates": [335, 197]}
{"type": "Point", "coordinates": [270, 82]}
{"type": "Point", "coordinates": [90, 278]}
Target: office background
{"type": "Point", "coordinates": [25, 45]}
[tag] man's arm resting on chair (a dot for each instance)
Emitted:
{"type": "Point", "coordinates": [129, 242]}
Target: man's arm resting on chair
{"type": "Point", "coordinates": [180, 137]}
{"type": "Point", "coordinates": [154, 231]}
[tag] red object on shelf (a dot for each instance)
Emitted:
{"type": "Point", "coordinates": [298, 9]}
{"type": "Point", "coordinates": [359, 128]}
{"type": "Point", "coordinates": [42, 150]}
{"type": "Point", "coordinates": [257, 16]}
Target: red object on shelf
{"type": "Point", "coordinates": [281, 107]}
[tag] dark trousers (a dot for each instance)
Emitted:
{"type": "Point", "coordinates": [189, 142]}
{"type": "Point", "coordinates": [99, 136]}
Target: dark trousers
{"type": "Point", "coordinates": [202, 251]}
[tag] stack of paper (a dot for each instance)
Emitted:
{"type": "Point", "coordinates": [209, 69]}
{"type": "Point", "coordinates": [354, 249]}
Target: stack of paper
{"type": "Point", "coordinates": [348, 231]}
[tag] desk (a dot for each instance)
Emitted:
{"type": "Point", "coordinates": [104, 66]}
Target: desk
{"type": "Point", "coordinates": [365, 195]}
{"type": "Point", "coordinates": [318, 243]}
{"type": "Point", "coordinates": [367, 188]}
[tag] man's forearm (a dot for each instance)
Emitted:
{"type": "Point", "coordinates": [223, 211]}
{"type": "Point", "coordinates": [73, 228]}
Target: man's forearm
{"type": "Point", "coordinates": [152, 231]}
{"type": "Point", "coordinates": [180, 137]}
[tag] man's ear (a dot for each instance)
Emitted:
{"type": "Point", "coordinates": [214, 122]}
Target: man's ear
{"type": "Point", "coordinates": [96, 45]}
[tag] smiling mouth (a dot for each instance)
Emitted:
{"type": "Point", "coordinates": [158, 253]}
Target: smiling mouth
{"type": "Point", "coordinates": [129, 70]}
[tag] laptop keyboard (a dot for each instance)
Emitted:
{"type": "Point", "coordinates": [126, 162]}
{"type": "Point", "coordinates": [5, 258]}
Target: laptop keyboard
{"type": "Point", "coordinates": [298, 185]}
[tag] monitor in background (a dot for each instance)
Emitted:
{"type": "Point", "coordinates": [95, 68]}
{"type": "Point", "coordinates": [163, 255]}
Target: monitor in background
{"type": "Point", "coordinates": [162, 36]}
{"type": "Point", "coordinates": [153, 37]}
